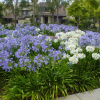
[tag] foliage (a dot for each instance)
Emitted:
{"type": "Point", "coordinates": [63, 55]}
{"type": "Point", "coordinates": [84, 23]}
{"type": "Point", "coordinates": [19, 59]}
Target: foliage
{"type": "Point", "coordinates": [13, 6]}
{"type": "Point", "coordinates": [77, 10]}
{"type": "Point", "coordinates": [69, 21]}
{"type": "Point", "coordinates": [36, 85]}
{"type": "Point", "coordinates": [3, 21]}
{"type": "Point", "coordinates": [31, 19]}
{"type": "Point", "coordinates": [11, 27]}
{"type": "Point", "coordinates": [1, 10]}
{"type": "Point", "coordinates": [3, 78]}
{"type": "Point", "coordinates": [85, 24]}
{"type": "Point", "coordinates": [26, 22]}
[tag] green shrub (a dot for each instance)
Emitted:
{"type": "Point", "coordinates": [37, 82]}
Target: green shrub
{"type": "Point", "coordinates": [47, 82]}
{"type": "Point", "coordinates": [47, 32]}
{"type": "Point", "coordinates": [3, 21]}
{"type": "Point", "coordinates": [85, 24]}
{"type": "Point", "coordinates": [4, 76]}
{"type": "Point", "coordinates": [26, 22]}
{"type": "Point", "coordinates": [81, 26]}
{"type": "Point", "coordinates": [31, 19]}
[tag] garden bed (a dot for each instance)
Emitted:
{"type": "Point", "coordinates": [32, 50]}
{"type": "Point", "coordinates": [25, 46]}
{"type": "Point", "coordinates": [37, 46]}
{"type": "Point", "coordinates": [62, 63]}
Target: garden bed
{"type": "Point", "coordinates": [37, 66]}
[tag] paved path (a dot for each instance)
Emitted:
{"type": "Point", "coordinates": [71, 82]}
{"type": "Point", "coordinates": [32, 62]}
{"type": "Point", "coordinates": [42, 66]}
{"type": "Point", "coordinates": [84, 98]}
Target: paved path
{"type": "Point", "coordinates": [93, 95]}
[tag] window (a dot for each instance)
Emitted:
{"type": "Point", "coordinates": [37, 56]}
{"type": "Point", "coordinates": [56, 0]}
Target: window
{"type": "Point", "coordinates": [37, 20]}
{"type": "Point", "coordinates": [45, 9]}
{"type": "Point", "coordinates": [25, 12]}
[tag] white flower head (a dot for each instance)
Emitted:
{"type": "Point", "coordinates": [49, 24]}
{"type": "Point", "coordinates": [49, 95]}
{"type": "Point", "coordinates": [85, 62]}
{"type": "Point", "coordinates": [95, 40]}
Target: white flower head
{"type": "Point", "coordinates": [37, 29]}
{"type": "Point", "coordinates": [95, 56]}
{"type": "Point", "coordinates": [62, 42]}
{"type": "Point", "coordinates": [5, 37]}
{"type": "Point", "coordinates": [48, 39]}
{"type": "Point", "coordinates": [77, 35]}
{"type": "Point", "coordinates": [73, 60]}
{"type": "Point", "coordinates": [73, 51]}
{"type": "Point", "coordinates": [80, 32]}
{"type": "Point", "coordinates": [72, 47]}
{"type": "Point", "coordinates": [79, 49]}
{"type": "Point", "coordinates": [39, 35]}
{"type": "Point", "coordinates": [58, 35]}
{"type": "Point", "coordinates": [81, 55]}
{"type": "Point", "coordinates": [90, 48]}
{"type": "Point", "coordinates": [55, 40]}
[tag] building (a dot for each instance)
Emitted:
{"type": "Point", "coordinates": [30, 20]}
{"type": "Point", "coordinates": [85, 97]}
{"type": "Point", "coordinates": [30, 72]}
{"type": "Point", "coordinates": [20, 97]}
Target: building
{"type": "Point", "coordinates": [26, 13]}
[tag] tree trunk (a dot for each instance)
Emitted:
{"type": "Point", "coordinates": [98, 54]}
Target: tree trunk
{"type": "Point", "coordinates": [40, 19]}
{"type": "Point", "coordinates": [52, 17]}
{"type": "Point", "coordinates": [34, 14]}
{"type": "Point", "coordinates": [78, 20]}
{"type": "Point", "coordinates": [57, 14]}
{"type": "Point", "coordinates": [99, 25]}
{"type": "Point", "coordinates": [15, 20]}
{"type": "Point", "coordinates": [15, 11]}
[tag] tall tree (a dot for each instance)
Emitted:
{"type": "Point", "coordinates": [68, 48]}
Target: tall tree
{"type": "Point", "coordinates": [51, 7]}
{"type": "Point", "coordinates": [14, 6]}
{"type": "Point", "coordinates": [55, 5]}
{"type": "Point", "coordinates": [1, 10]}
{"type": "Point", "coordinates": [78, 10]}
{"type": "Point", "coordinates": [59, 4]}
{"type": "Point", "coordinates": [34, 6]}
{"type": "Point", "coordinates": [41, 10]}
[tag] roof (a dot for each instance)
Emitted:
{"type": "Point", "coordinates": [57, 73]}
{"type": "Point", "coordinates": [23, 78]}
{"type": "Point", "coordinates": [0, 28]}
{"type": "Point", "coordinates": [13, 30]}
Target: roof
{"type": "Point", "coordinates": [10, 15]}
{"type": "Point", "coordinates": [43, 4]}
{"type": "Point", "coordinates": [61, 12]}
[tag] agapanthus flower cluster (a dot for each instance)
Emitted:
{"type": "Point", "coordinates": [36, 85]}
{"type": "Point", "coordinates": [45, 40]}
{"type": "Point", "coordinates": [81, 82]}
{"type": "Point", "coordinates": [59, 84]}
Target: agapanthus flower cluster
{"type": "Point", "coordinates": [58, 28]}
{"type": "Point", "coordinates": [90, 38]}
{"type": "Point", "coordinates": [90, 48]}
{"type": "Point", "coordinates": [73, 60]}
{"type": "Point", "coordinates": [26, 47]}
{"type": "Point", "coordinates": [95, 56]}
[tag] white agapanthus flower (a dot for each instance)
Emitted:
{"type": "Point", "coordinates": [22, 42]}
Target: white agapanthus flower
{"type": "Point", "coordinates": [79, 49]}
{"type": "Point", "coordinates": [90, 48]}
{"type": "Point", "coordinates": [55, 40]}
{"type": "Point", "coordinates": [37, 29]}
{"type": "Point", "coordinates": [62, 42]}
{"type": "Point", "coordinates": [73, 60]}
{"type": "Point", "coordinates": [76, 55]}
{"type": "Point", "coordinates": [5, 37]}
{"type": "Point", "coordinates": [73, 51]}
{"type": "Point", "coordinates": [58, 35]}
{"type": "Point", "coordinates": [77, 35]}
{"type": "Point", "coordinates": [73, 41]}
{"type": "Point", "coordinates": [71, 34]}
{"type": "Point", "coordinates": [72, 47]}
{"type": "Point", "coordinates": [39, 35]}
{"type": "Point", "coordinates": [80, 32]}
{"type": "Point", "coordinates": [95, 56]}
{"type": "Point", "coordinates": [66, 43]}
{"type": "Point", "coordinates": [48, 39]}
{"type": "Point", "coordinates": [63, 36]}
{"type": "Point", "coordinates": [81, 55]}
